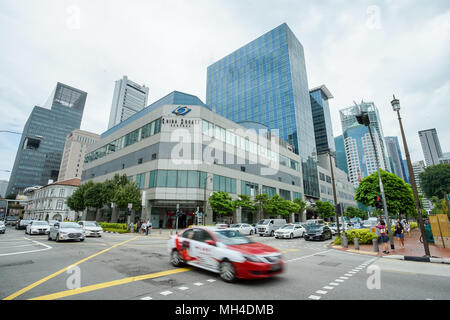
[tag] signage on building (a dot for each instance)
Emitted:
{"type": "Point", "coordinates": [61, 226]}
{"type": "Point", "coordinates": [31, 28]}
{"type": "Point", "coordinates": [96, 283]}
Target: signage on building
{"type": "Point", "coordinates": [179, 122]}
{"type": "Point", "coordinates": [181, 111]}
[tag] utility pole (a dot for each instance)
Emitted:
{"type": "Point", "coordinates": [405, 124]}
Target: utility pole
{"type": "Point", "coordinates": [363, 118]}
{"type": "Point", "coordinates": [334, 192]}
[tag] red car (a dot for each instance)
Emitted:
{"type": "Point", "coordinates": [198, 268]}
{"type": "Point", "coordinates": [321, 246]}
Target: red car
{"type": "Point", "coordinates": [226, 252]}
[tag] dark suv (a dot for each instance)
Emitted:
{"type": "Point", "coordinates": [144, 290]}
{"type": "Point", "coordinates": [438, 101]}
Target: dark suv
{"type": "Point", "coordinates": [317, 232]}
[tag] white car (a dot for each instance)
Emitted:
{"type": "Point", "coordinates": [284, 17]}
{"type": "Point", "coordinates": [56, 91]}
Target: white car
{"type": "Point", "coordinates": [290, 231]}
{"type": "Point", "coordinates": [91, 228]}
{"type": "Point", "coordinates": [242, 228]}
{"type": "Point", "coordinates": [37, 227]}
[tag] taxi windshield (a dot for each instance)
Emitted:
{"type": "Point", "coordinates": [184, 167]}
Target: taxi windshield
{"type": "Point", "coordinates": [230, 237]}
{"type": "Point", "coordinates": [288, 226]}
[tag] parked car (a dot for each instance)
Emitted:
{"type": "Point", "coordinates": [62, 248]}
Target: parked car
{"type": "Point", "coordinates": [290, 231]}
{"type": "Point", "coordinates": [66, 231]}
{"type": "Point", "coordinates": [243, 228]}
{"type": "Point", "coordinates": [37, 227]}
{"type": "Point", "coordinates": [222, 225]}
{"type": "Point", "coordinates": [22, 224]}
{"type": "Point", "coordinates": [91, 228]}
{"type": "Point", "coordinates": [267, 227]}
{"type": "Point", "coordinates": [11, 221]}
{"type": "Point", "coordinates": [317, 232]}
{"type": "Point", "coordinates": [315, 221]}
{"type": "Point", "coordinates": [52, 222]}
{"type": "Point", "coordinates": [2, 227]}
{"type": "Point", "coordinates": [226, 252]}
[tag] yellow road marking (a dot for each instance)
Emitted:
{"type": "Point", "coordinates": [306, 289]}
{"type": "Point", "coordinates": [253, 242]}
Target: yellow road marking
{"type": "Point", "coordinates": [31, 286]}
{"type": "Point", "coordinates": [108, 284]}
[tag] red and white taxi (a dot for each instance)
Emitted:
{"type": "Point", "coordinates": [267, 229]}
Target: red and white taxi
{"type": "Point", "coordinates": [226, 252]}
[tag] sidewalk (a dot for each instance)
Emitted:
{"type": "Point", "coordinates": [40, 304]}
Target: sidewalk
{"type": "Point", "coordinates": [413, 248]}
{"type": "Point", "coordinates": [156, 233]}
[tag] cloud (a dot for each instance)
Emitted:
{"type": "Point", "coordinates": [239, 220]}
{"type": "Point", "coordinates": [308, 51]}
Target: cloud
{"type": "Point", "coordinates": [168, 45]}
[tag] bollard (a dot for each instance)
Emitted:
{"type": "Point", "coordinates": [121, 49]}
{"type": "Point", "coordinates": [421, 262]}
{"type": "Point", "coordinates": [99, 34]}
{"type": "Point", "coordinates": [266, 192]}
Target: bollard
{"type": "Point", "coordinates": [375, 245]}
{"type": "Point", "coordinates": [344, 241]}
{"type": "Point", "coordinates": [355, 241]}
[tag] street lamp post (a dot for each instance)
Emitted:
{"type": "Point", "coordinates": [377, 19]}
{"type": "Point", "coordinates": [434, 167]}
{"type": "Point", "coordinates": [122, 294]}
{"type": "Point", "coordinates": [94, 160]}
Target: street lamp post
{"type": "Point", "coordinates": [205, 203]}
{"type": "Point", "coordinates": [334, 192]}
{"type": "Point", "coordinates": [396, 107]}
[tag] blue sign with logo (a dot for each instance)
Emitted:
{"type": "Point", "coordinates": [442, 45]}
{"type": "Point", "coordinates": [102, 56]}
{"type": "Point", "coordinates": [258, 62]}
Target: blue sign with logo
{"type": "Point", "coordinates": [181, 111]}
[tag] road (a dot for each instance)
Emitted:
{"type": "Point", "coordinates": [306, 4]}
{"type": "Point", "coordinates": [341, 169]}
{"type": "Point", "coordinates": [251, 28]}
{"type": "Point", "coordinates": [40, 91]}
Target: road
{"type": "Point", "coordinates": [135, 267]}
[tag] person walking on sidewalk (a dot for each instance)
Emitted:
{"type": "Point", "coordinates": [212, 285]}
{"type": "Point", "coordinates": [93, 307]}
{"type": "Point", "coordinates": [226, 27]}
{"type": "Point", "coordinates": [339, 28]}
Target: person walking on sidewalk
{"type": "Point", "coordinates": [399, 233]}
{"type": "Point", "coordinates": [148, 227]}
{"type": "Point", "coordinates": [138, 226]}
{"type": "Point", "coordinates": [383, 233]}
{"type": "Point", "coordinates": [144, 228]}
{"type": "Point", "coordinates": [407, 227]}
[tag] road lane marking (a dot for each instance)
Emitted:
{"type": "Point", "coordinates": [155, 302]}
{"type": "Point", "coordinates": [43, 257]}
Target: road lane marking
{"type": "Point", "coordinates": [108, 284]}
{"type": "Point", "coordinates": [328, 288]}
{"type": "Point", "coordinates": [321, 292]}
{"type": "Point", "coordinates": [35, 284]}
{"type": "Point", "coordinates": [211, 280]}
{"type": "Point", "coordinates": [146, 298]}
{"type": "Point", "coordinates": [198, 284]}
{"type": "Point", "coordinates": [334, 284]}
{"type": "Point", "coordinates": [314, 297]}
{"type": "Point", "coordinates": [183, 288]}
{"type": "Point", "coordinates": [166, 293]}
{"type": "Point", "coordinates": [30, 251]}
{"type": "Point", "coordinates": [339, 280]}
{"type": "Point", "coordinates": [308, 256]}
{"type": "Point", "coordinates": [345, 278]}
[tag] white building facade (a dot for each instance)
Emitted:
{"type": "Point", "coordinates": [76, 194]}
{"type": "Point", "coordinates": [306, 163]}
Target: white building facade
{"type": "Point", "coordinates": [179, 151]}
{"type": "Point", "coordinates": [128, 99]}
{"type": "Point", "coordinates": [74, 153]}
{"type": "Point", "coordinates": [50, 202]}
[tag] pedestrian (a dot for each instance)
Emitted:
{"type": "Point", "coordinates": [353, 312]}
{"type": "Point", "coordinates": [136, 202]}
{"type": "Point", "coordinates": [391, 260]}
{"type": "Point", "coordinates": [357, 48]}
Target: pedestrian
{"type": "Point", "coordinates": [144, 228]}
{"type": "Point", "coordinates": [138, 226]}
{"type": "Point", "coordinates": [399, 230]}
{"type": "Point", "coordinates": [148, 226]}
{"type": "Point", "coordinates": [407, 227]}
{"type": "Point", "coordinates": [131, 227]}
{"type": "Point", "coordinates": [383, 234]}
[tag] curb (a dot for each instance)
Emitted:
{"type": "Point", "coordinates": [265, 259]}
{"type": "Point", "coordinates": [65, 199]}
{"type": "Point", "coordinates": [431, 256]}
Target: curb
{"type": "Point", "coordinates": [420, 259]}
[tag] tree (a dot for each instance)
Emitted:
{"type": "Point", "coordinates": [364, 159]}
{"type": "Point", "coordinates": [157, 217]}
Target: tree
{"type": "Point", "coordinates": [324, 209]}
{"type": "Point", "coordinates": [353, 212]}
{"type": "Point", "coordinates": [435, 180]}
{"type": "Point", "coordinates": [221, 203]}
{"type": "Point", "coordinates": [302, 206]}
{"type": "Point", "coordinates": [77, 201]}
{"type": "Point", "coordinates": [279, 206]}
{"type": "Point", "coordinates": [128, 193]}
{"type": "Point", "coordinates": [260, 202]}
{"type": "Point", "coordinates": [399, 196]}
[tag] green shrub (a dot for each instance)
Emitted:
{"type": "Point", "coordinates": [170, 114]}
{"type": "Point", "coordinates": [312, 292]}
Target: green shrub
{"type": "Point", "coordinates": [119, 226]}
{"type": "Point", "coordinates": [115, 230]}
{"type": "Point", "coordinates": [364, 236]}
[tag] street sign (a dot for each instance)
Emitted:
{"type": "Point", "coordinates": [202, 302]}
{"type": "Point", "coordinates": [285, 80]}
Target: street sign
{"type": "Point", "coordinates": [130, 206]}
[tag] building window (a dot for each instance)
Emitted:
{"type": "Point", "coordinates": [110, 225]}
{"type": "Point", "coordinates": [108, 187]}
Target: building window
{"type": "Point", "coordinates": [154, 156]}
{"type": "Point", "coordinates": [285, 194]}
{"type": "Point", "coordinates": [140, 181]}
{"type": "Point", "coordinates": [140, 160]}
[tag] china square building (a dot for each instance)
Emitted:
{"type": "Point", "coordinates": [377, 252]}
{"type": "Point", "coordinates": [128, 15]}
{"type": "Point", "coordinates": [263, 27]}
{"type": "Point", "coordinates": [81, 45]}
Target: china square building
{"type": "Point", "coordinates": [179, 151]}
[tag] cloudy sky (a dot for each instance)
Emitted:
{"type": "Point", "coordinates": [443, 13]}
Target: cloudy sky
{"type": "Point", "coordinates": [361, 50]}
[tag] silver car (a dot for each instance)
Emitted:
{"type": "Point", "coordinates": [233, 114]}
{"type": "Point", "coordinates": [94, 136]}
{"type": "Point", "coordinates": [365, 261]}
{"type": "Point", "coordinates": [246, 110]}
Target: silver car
{"type": "Point", "coordinates": [37, 227]}
{"type": "Point", "coordinates": [91, 228]}
{"type": "Point", "coordinates": [66, 231]}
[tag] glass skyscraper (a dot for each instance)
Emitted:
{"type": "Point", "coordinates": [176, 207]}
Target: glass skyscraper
{"type": "Point", "coordinates": [41, 147]}
{"type": "Point", "coordinates": [341, 157]}
{"type": "Point", "coordinates": [395, 156]}
{"type": "Point", "coordinates": [265, 81]}
{"type": "Point", "coordinates": [323, 128]}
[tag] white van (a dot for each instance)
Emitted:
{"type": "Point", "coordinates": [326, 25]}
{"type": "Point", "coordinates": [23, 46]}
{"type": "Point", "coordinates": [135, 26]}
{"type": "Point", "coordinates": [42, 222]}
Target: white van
{"type": "Point", "coordinates": [267, 227]}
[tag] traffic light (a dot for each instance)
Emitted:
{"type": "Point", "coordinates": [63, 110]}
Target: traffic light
{"type": "Point", "coordinates": [377, 202]}
{"type": "Point", "coordinates": [338, 208]}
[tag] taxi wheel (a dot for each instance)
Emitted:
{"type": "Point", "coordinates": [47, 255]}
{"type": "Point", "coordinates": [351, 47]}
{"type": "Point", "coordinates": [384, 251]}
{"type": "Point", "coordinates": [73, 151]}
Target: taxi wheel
{"type": "Point", "coordinates": [227, 271]}
{"type": "Point", "coordinates": [57, 238]}
{"type": "Point", "coordinates": [291, 236]}
{"type": "Point", "coordinates": [175, 258]}
{"type": "Point", "coordinates": [272, 233]}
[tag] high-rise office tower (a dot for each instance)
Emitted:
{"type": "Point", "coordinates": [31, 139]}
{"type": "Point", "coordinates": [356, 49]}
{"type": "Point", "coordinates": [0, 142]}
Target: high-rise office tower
{"type": "Point", "coordinates": [323, 128]}
{"type": "Point", "coordinates": [341, 156]}
{"type": "Point", "coordinates": [3, 187]}
{"type": "Point", "coordinates": [395, 156]}
{"type": "Point", "coordinates": [361, 158]}
{"type": "Point", "coordinates": [406, 171]}
{"type": "Point", "coordinates": [430, 146]}
{"type": "Point", "coordinates": [129, 98]}
{"type": "Point", "coordinates": [41, 147]}
{"type": "Point", "coordinates": [74, 152]}
{"type": "Point", "coordinates": [348, 120]}
{"type": "Point", "coordinates": [265, 81]}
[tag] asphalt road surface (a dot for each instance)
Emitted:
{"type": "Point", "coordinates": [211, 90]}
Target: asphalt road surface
{"type": "Point", "coordinates": [136, 267]}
